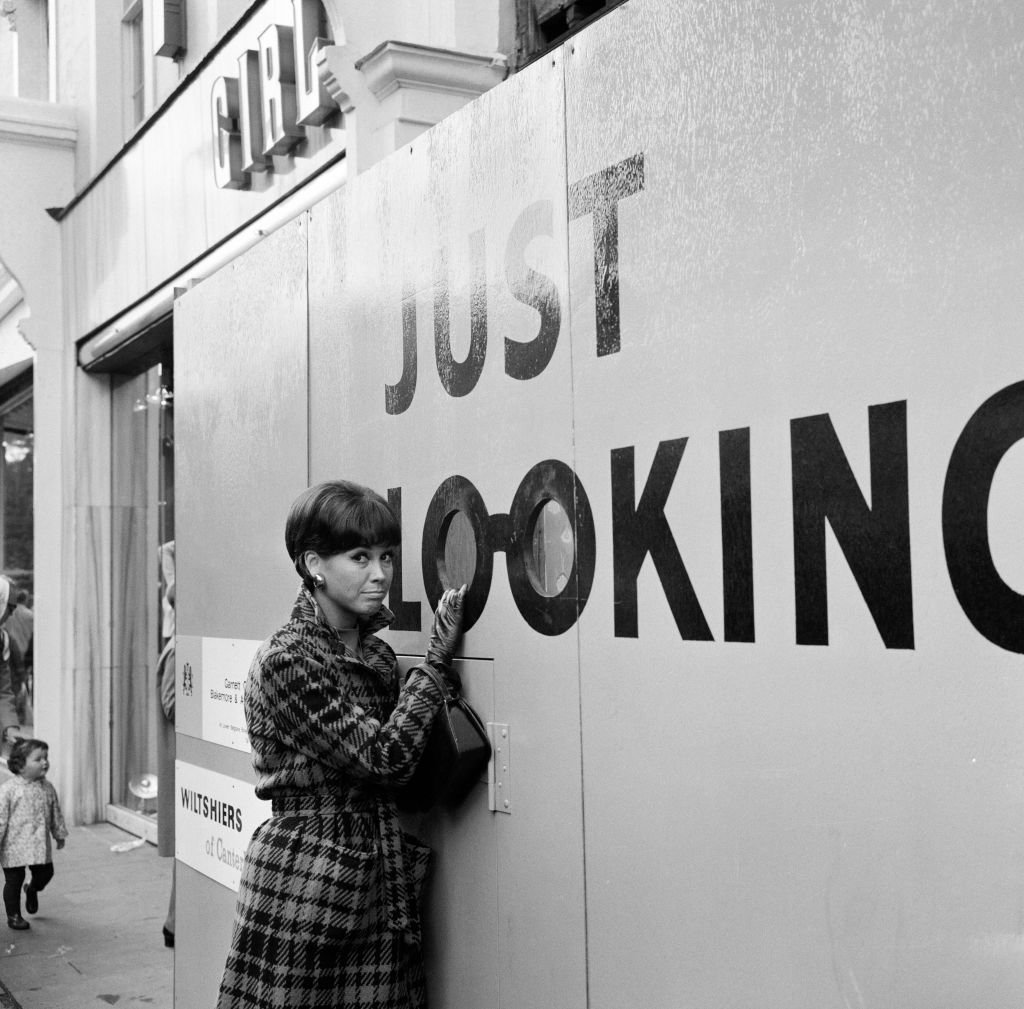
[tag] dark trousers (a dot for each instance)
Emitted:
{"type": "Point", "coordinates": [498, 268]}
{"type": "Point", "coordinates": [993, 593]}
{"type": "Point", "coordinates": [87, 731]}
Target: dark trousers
{"type": "Point", "coordinates": [13, 880]}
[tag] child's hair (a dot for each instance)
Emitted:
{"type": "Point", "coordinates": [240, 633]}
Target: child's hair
{"type": "Point", "coordinates": [20, 753]}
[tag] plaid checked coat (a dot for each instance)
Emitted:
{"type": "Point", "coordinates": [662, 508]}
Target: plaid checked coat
{"type": "Point", "coordinates": [328, 909]}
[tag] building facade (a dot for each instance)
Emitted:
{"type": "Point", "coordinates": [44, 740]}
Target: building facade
{"type": "Point", "coordinates": [688, 337]}
{"type": "Point", "coordinates": [96, 153]}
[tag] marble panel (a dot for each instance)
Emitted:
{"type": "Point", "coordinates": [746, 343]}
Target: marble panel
{"type": "Point", "coordinates": [92, 439]}
{"type": "Point", "coordinates": [85, 685]}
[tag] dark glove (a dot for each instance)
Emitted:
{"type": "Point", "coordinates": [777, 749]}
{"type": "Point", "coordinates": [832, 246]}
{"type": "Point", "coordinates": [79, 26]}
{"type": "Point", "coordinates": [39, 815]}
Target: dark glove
{"type": "Point", "coordinates": [446, 629]}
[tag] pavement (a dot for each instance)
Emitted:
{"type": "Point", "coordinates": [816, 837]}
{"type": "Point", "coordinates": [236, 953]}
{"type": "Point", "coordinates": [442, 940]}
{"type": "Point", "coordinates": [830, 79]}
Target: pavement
{"type": "Point", "coordinates": [97, 939]}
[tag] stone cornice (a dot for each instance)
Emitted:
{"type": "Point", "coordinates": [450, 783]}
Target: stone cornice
{"type": "Point", "coordinates": [24, 121]}
{"type": "Point", "coordinates": [393, 65]}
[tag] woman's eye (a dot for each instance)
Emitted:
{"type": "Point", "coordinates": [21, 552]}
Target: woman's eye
{"type": "Point", "coordinates": [388, 557]}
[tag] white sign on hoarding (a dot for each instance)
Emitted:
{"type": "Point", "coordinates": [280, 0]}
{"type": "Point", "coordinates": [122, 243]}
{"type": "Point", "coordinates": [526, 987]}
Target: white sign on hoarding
{"type": "Point", "coordinates": [211, 675]}
{"type": "Point", "coordinates": [226, 665]}
{"type": "Point", "coordinates": [214, 820]}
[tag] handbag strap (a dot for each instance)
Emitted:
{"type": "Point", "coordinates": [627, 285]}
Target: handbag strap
{"type": "Point", "coordinates": [452, 700]}
{"type": "Point", "coordinates": [439, 682]}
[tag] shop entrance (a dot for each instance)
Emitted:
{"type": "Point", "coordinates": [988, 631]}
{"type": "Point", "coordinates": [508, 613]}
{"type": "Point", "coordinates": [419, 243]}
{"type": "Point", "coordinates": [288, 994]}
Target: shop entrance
{"type": "Point", "coordinates": [142, 587]}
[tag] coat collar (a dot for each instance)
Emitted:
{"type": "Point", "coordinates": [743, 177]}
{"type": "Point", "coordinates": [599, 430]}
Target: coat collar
{"type": "Point", "coordinates": [307, 611]}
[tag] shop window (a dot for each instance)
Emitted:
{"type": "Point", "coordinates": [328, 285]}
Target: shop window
{"type": "Point", "coordinates": [16, 552]}
{"type": "Point", "coordinates": [142, 577]}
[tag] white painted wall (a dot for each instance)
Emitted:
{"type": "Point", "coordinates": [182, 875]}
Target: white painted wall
{"type": "Point", "coordinates": [125, 238]}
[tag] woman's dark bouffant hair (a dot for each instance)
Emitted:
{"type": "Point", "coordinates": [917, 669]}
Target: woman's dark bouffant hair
{"type": "Point", "coordinates": [20, 753]}
{"type": "Point", "coordinates": [332, 517]}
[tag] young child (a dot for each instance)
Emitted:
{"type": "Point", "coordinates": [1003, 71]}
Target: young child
{"type": "Point", "coordinates": [29, 814]}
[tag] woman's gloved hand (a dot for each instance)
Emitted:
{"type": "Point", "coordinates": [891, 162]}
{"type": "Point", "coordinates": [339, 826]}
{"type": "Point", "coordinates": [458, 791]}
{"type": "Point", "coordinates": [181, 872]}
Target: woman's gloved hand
{"type": "Point", "coordinates": [446, 629]}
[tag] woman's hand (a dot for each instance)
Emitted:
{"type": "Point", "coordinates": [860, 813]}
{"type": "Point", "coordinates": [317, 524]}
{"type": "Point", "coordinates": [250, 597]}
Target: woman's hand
{"type": "Point", "coordinates": [446, 629]}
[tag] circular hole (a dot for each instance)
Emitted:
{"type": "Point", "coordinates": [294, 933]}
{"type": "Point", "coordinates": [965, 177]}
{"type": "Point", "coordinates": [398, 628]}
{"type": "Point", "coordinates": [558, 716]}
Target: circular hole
{"type": "Point", "coordinates": [552, 548]}
{"type": "Point", "coordinates": [459, 561]}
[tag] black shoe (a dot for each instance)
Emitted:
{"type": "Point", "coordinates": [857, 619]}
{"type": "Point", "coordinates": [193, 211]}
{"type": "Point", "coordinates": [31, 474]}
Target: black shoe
{"type": "Point", "coordinates": [31, 899]}
{"type": "Point", "coordinates": [168, 938]}
{"type": "Point", "coordinates": [18, 923]}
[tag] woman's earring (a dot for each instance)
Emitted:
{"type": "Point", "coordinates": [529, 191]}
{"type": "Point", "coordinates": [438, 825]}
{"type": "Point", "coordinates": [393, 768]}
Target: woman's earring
{"type": "Point", "coordinates": [319, 582]}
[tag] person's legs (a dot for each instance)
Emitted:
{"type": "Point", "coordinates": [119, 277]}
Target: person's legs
{"type": "Point", "coordinates": [41, 875]}
{"type": "Point", "coordinates": [13, 878]}
{"type": "Point", "coordinates": [169, 920]}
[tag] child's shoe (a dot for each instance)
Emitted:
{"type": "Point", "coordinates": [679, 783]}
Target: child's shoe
{"type": "Point", "coordinates": [18, 923]}
{"type": "Point", "coordinates": [31, 899]}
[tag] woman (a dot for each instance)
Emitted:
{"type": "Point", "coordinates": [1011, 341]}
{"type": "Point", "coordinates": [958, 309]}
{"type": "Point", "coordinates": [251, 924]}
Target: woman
{"type": "Point", "coordinates": [328, 909]}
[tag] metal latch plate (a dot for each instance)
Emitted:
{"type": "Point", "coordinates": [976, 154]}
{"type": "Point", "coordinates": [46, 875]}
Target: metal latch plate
{"type": "Point", "coordinates": [499, 771]}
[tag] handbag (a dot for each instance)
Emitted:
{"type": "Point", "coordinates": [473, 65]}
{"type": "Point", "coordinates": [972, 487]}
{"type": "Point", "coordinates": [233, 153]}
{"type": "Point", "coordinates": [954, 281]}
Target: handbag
{"type": "Point", "coordinates": [455, 756]}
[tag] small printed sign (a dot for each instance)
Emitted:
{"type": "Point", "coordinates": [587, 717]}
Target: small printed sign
{"type": "Point", "coordinates": [226, 664]}
{"type": "Point", "coordinates": [215, 817]}
{"type": "Point", "coordinates": [211, 675]}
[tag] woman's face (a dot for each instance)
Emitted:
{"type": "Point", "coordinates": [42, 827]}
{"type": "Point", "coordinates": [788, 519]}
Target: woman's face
{"type": "Point", "coordinates": [357, 582]}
